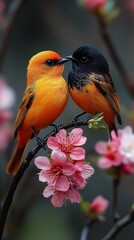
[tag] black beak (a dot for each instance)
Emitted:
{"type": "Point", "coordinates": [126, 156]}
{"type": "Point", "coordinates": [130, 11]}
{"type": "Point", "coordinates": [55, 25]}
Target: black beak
{"type": "Point", "coordinates": [71, 58]}
{"type": "Point", "coordinates": [62, 61]}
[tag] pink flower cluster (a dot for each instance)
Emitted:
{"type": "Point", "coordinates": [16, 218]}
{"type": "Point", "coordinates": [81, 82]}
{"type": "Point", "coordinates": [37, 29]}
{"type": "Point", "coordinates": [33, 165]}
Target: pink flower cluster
{"type": "Point", "coordinates": [66, 170]}
{"type": "Point", "coordinates": [7, 99]}
{"type": "Point", "coordinates": [118, 152]}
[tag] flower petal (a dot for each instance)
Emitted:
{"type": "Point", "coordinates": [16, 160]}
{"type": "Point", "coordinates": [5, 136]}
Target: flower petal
{"type": "Point", "coordinates": [128, 130]}
{"type": "Point", "coordinates": [77, 153]}
{"type": "Point", "coordinates": [76, 138]}
{"type": "Point", "coordinates": [101, 147]}
{"type": "Point", "coordinates": [74, 195]}
{"type": "Point", "coordinates": [78, 181]}
{"type": "Point", "coordinates": [58, 199]}
{"type": "Point", "coordinates": [87, 171]}
{"type": "Point", "coordinates": [42, 163]}
{"type": "Point", "coordinates": [44, 176]}
{"type": "Point", "coordinates": [68, 169]}
{"type": "Point", "coordinates": [128, 168]}
{"type": "Point", "coordinates": [61, 136]}
{"type": "Point", "coordinates": [99, 204]}
{"type": "Point", "coordinates": [62, 184]}
{"type": "Point", "coordinates": [58, 157]}
{"type": "Point", "coordinates": [52, 143]}
{"type": "Point", "coordinates": [48, 191]}
{"type": "Point", "coordinates": [104, 163]}
{"type": "Point", "coordinates": [7, 96]}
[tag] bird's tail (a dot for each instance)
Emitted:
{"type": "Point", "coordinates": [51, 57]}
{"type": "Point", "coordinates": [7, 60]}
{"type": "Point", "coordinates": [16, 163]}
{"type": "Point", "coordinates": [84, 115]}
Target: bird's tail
{"type": "Point", "coordinates": [113, 127]}
{"type": "Point", "coordinates": [15, 162]}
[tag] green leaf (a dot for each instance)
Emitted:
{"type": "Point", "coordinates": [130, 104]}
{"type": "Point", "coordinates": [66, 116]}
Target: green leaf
{"type": "Point", "coordinates": [95, 121]}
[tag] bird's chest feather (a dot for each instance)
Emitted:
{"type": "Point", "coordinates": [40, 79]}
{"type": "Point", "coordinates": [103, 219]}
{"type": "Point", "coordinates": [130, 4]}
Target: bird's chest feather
{"type": "Point", "coordinates": [89, 98]}
{"type": "Point", "coordinates": [50, 100]}
{"type": "Point", "coordinates": [77, 79]}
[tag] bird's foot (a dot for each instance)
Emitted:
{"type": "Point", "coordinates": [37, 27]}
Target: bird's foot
{"type": "Point", "coordinates": [76, 119]}
{"type": "Point", "coordinates": [39, 140]}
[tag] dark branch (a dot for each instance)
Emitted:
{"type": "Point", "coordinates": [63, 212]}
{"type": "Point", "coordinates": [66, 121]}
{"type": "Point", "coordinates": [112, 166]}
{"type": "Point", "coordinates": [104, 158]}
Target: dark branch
{"type": "Point", "coordinates": [116, 183]}
{"type": "Point", "coordinates": [85, 234]}
{"type": "Point", "coordinates": [120, 225]}
{"type": "Point", "coordinates": [129, 83]}
{"type": "Point", "coordinates": [9, 198]}
{"type": "Point", "coordinates": [12, 16]}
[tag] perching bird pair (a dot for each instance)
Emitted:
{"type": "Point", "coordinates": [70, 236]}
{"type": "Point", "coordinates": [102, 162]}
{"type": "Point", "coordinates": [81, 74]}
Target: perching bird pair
{"type": "Point", "coordinates": [45, 97]}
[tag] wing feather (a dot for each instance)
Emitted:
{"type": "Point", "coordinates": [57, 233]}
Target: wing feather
{"type": "Point", "coordinates": [23, 109]}
{"type": "Point", "coordinates": [105, 84]}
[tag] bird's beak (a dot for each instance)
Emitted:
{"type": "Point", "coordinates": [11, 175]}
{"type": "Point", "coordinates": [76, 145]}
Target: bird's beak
{"type": "Point", "coordinates": [62, 61]}
{"type": "Point", "coordinates": [71, 58]}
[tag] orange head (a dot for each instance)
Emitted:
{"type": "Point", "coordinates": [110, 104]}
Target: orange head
{"type": "Point", "coordinates": [44, 63]}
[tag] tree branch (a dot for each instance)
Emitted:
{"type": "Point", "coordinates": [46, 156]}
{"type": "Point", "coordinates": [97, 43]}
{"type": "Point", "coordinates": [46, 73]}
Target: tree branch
{"type": "Point", "coordinates": [9, 198]}
{"type": "Point", "coordinates": [116, 183]}
{"type": "Point", "coordinates": [85, 234]}
{"type": "Point", "coordinates": [12, 16]}
{"type": "Point", "coordinates": [129, 83]}
{"type": "Point", "coordinates": [120, 225]}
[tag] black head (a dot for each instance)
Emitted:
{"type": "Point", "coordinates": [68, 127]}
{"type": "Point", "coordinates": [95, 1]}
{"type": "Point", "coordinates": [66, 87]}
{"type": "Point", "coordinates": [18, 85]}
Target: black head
{"type": "Point", "coordinates": [89, 59]}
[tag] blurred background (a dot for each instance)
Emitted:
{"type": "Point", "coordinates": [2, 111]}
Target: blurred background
{"type": "Point", "coordinates": [61, 26]}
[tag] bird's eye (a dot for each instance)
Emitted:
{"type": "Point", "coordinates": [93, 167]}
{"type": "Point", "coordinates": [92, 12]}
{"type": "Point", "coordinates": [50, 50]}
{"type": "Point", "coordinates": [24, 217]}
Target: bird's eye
{"type": "Point", "coordinates": [50, 62]}
{"type": "Point", "coordinates": [84, 59]}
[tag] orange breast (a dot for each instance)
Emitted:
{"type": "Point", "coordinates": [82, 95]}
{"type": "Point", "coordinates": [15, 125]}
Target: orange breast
{"type": "Point", "coordinates": [92, 101]}
{"type": "Point", "coordinates": [49, 102]}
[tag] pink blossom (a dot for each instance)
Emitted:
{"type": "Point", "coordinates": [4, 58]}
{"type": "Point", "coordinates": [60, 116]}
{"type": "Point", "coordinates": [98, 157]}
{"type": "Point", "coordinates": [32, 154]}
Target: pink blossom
{"type": "Point", "coordinates": [128, 168]}
{"type": "Point", "coordinates": [69, 144]}
{"type": "Point", "coordinates": [59, 198]}
{"type": "Point", "coordinates": [7, 99]}
{"type": "Point", "coordinates": [99, 205]}
{"type": "Point", "coordinates": [5, 115]}
{"type": "Point", "coordinates": [127, 144]}
{"type": "Point", "coordinates": [56, 172]}
{"type": "Point", "coordinates": [118, 152]}
{"type": "Point", "coordinates": [93, 5]}
{"type": "Point", "coordinates": [110, 154]}
{"type": "Point", "coordinates": [82, 172]}
{"type": "Point", "coordinates": [5, 137]}
{"type": "Point", "coordinates": [63, 174]}
{"type": "Point", "coordinates": [7, 96]}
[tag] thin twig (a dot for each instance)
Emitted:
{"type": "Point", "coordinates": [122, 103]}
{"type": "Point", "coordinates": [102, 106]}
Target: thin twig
{"type": "Point", "coordinates": [12, 16]}
{"type": "Point", "coordinates": [129, 83]}
{"type": "Point", "coordinates": [116, 183]}
{"type": "Point", "coordinates": [120, 225]}
{"type": "Point", "coordinates": [85, 234]}
{"type": "Point", "coordinates": [9, 198]}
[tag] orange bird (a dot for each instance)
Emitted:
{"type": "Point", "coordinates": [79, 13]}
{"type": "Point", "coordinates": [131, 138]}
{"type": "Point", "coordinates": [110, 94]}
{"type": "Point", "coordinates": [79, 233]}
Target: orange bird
{"type": "Point", "coordinates": [91, 85]}
{"type": "Point", "coordinates": [44, 100]}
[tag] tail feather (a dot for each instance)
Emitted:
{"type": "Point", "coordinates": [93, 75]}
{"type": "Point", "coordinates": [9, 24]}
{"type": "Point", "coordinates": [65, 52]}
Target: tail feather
{"type": "Point", "coordinates": [112, 128]}
{"type": "Point", "coordinates": [15, 162]}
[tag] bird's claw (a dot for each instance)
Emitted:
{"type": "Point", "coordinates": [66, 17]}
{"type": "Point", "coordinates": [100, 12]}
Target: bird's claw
{"type": "Point", "coordinates": [40, 142]}
{"type": "Point", "coordinates": [76, 118]}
